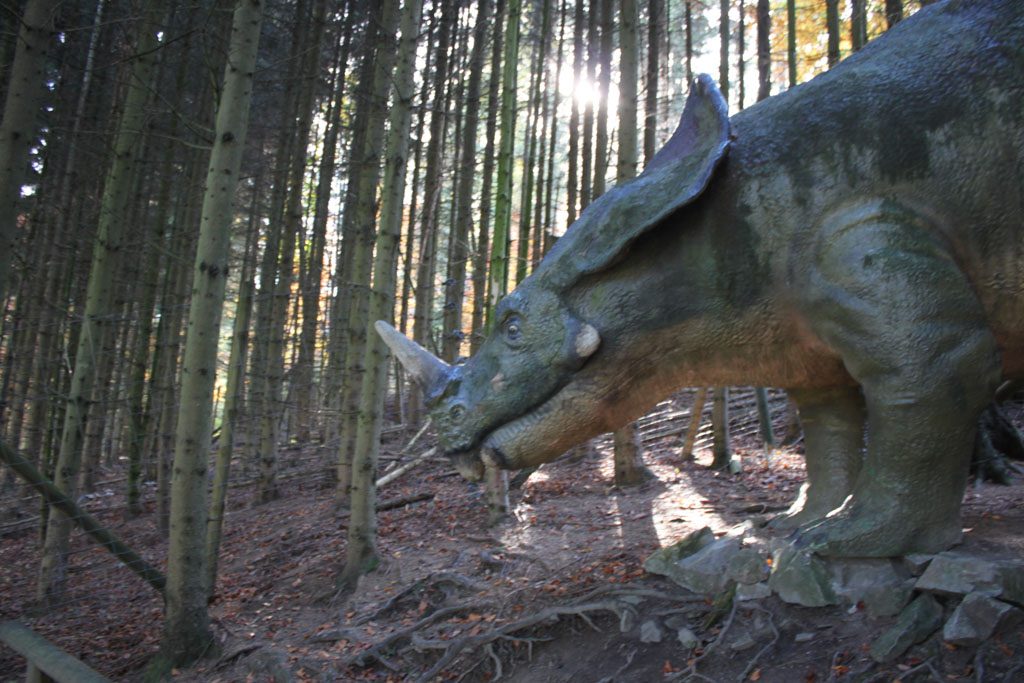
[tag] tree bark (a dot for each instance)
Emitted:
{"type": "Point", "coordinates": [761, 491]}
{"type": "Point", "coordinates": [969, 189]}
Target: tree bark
{"type": "Point", "coordinates": [655, 10]}
{"type": "Point", "coordinates": [721, 449]}
{"type": "Point", "coordinates": [791, 41]}
{"type": "Point", "coordinates": [233, 395]}
{"type": "Point", "coordinates": [629, 466]}
{"type": "Point", "coordinates": [858, 24]}
{"type": "Point", "coordinates": [455, 290]}
{"type": "Point", "coordinates": [893, 12]}
{"type": "Point", "coordinates": [117, 195]}
{"type": "Point", "coordinates": [764, 49]}
{"type": "Point", "coordinates": [723, 54]}
{"type": "Point", "coordinates": [832, 26]}
{"type": "Point", "coordinates": [362, 530]}
{"type": "Point", "coordinates": [186, 634]}
{"type": "Point", "coordinates": [364, 221]}
{"type": "Point", "coordinates": [26, 88]}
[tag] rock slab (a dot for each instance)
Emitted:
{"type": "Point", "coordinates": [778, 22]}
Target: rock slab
{"type": "Point", "coordinates": [919, 620]}
{"type": "Point", "coordinates": [976, 618]}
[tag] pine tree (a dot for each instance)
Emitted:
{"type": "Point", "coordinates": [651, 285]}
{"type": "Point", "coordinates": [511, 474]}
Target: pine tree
{"type": "Point", "coordinates": [186, 626]}
{"type": "Point", "coordinates": [362, 538]}
{"type": "Point", "coordinates": [26, 87]}
{"type": "Point", "coordinates": [113, 218]}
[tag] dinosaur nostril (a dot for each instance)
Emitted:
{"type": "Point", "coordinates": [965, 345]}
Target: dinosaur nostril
{"type": "Point", "coordinates": [457, 412]}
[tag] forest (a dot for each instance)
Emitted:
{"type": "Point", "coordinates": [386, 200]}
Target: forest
{"type": "Point", "coordinates": [212, 467]}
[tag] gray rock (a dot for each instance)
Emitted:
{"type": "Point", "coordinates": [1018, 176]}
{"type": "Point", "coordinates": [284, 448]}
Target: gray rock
{"type": "Point", "coordinates": [748, 566]}
{"type": "Point", "coordinates": [800, 578]}
{"type": "Point", "coordinates": [687, 638]}
{"type": "Point", "coordinates": [976, 618]}
{"type": "Point", "coordinates": [676, 622]}
{"type": "Point", "coordinates": [650, 632]}
{"type": "Point", "coordinates": [754, 591]}
{"type": "Point", "coordinates": [919, 620]}
{"type": "Point", "coordinates": [1012, 576]}
{"type": "Point", "coordinates": [959, 574]}
{"type": "Point", "coordinates": [803, 637]}
{"type": "Point", "coordinates": [953, 573]}
{"type": "Point", "coordinates": [881, 585]}
{"type": "Point", "coordinates": [705, 570]}
{"type": "Point", "coordinates": [663, 561]}
{"type": "Point", "coordinates": [627, 621]}
{"type": "Point", "coordinates": [742, 642]}
{"type": "Point", "coordinates": [916, 563]}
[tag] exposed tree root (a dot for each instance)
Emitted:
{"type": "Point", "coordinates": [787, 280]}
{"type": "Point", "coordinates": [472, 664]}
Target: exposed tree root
{"type": "Point", "coordinates": [410, 639]}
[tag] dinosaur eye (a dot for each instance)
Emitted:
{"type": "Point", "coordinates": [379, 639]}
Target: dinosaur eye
{"type": "Point", "coordinates": [513, 330]}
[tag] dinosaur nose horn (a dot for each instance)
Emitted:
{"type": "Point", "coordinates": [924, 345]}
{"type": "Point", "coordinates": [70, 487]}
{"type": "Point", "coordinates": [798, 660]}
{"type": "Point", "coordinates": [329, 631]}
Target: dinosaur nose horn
{"type": "Point", "coordinates": [430, 371]}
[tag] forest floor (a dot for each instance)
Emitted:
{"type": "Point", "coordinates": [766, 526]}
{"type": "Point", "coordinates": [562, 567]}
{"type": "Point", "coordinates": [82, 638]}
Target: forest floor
{"type": "Point", "coordinates": [556, 593]}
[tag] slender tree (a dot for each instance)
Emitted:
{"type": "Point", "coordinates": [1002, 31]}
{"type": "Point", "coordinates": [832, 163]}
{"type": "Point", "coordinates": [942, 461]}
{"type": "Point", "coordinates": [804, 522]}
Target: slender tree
{"type": "Point", "coordinates": [858, 24]}
{"type": "Point", "coordinates": [186, 624]}
{"type": "Point", "coordinates": [452, 331]}
{"type": "Point", "coordinates": [483, 242]}
{"type": "Point", "coordinates": [362, 537]}
{"type": "Point", "coordinates": [497, 481]}
{"type": "Point", "coordinates": [655, 10]}
{"type": "Point", "coordinates": [764, 49]}
{"type": "Point", "coordinates": [26, 87]}
{"type": "Point", "coordinates": [832, 24]}
{"type": "Point", "coordinates": [791, 41]}
{"type": "Point", "coordinates": [723, 55]}
{"type": "Point", "coordinates": [893, 12]}
{"type": "Point", "coordinates": [629, 467]}
{"type": "Point", "coordinates": [117, 196]}
{"type": "Point", "coordinates": [369, 160]}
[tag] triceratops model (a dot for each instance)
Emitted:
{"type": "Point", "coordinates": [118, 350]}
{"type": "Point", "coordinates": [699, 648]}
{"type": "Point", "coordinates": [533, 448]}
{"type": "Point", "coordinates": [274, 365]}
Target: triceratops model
{"type": "Point", "coordinates": [857, 240]}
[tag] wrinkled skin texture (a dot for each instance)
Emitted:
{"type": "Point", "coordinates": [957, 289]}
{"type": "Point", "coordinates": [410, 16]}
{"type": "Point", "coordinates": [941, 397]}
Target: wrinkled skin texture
{"type": "Point", "coordinates": [859, 244]}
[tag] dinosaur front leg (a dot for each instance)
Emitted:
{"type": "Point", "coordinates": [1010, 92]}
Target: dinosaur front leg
{"type": "Point", "coordinates": [833, 424]}
{"type": "Point", "coordinates": [891, 300]}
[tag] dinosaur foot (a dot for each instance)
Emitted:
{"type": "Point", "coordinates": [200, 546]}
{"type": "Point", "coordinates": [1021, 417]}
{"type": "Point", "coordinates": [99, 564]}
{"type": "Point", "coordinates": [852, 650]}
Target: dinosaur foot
{"type": "Point", "coordinates": [805, 510]}
{"type": "Point", "coordinates": [860, 531]}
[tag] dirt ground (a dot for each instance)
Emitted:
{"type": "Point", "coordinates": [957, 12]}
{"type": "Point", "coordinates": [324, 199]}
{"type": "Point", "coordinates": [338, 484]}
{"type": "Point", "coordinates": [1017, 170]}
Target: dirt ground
{"type": "Point", "coordinates": [556, 593]}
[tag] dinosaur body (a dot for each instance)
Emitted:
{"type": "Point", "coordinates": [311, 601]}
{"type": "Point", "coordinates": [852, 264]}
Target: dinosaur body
{"type": "Point", "coordinates": [857, 240]}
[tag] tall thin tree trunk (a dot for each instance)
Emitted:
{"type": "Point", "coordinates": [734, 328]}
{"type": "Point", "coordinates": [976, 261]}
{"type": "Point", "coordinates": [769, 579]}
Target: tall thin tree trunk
{"type": "Point", "coordinates": [117, 195]}
{"type": "Point", "coordinates": [791, 40]}
{"type": "Point", "coordinates": [832, 27]}
{"type": "Point", "coordinates": [369, 160]}
{"type": "Point", "coordinates": [308, 394]}
{"type": "Point", "coordinates": [893, 12]}
{"type": "Point", "coordinates": [497, 486]}
{"type": "Point", "coordinates": [483, 242]}
{"type": "Point", "coordinates": [629, 466]}
{"type": "Point", "coordinates": [858, 24]}
{"type": "Point", "coordinates": [186, 634]}
{"type": "Point", "coordinates": [688, 29]}
{"type": "Point", "coordinates": [723, 47]}
{"type": "Point", "coordinates": [273, 407]}
{"type": "Point", "coordinates": [572, 192]}
{"type": "Point", "coordinates": [764, 49]}
{"type": "Point", "coordinates": [233, 394]}
{"type": "Point", "coordinates": [604, 61]}
{"type": "Point", "coordinates": [741, 55]}
{"type": "Point", "coordinates": [362, 536]}
{"type": "Point", "coordinates": [26, 88]}
{"type": "Point", "coordinates": [655, 10]}
{"type": "Point", "coordinates": [454, 292]}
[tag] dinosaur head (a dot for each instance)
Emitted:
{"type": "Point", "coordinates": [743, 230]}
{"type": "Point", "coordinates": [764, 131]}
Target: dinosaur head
{"type": "Point", "coordinates": [527, 395]}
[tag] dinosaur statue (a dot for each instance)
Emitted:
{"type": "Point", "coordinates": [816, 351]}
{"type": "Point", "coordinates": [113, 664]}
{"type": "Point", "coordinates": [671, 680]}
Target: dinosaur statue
{"type": "Point", "coordinates": [857, 240]}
